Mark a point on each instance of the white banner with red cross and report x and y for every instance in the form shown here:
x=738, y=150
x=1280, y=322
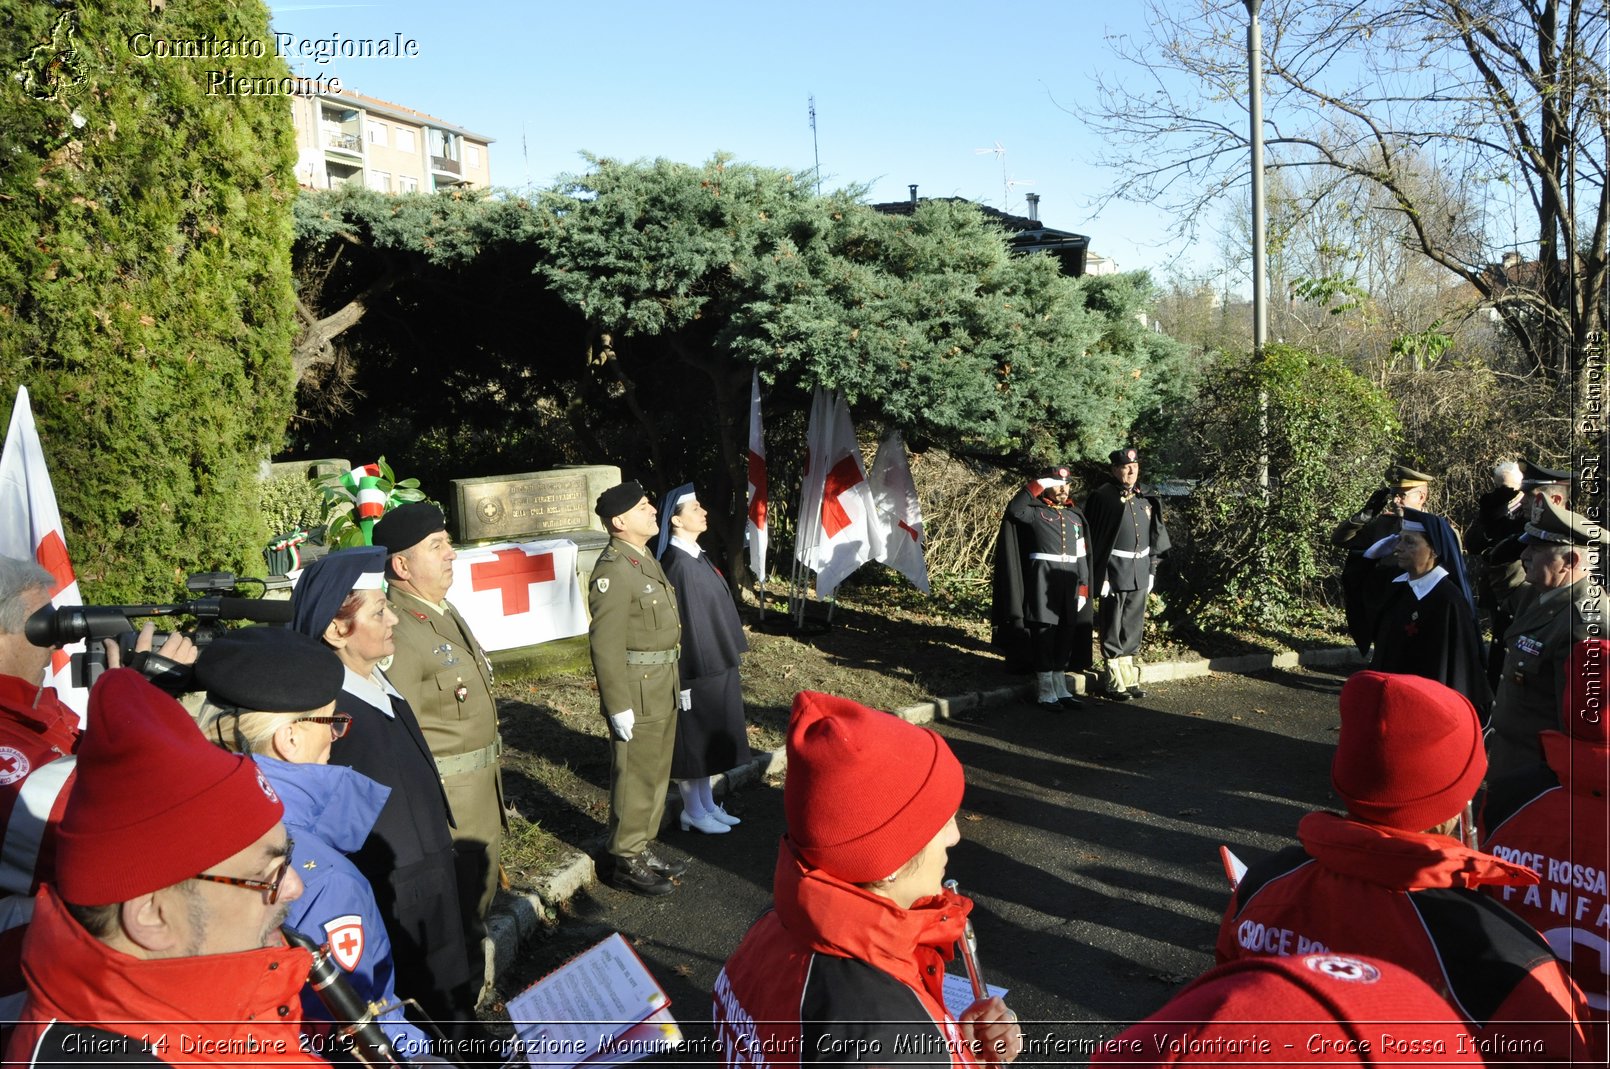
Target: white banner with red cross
x=519, y=593
x=839, y=528
x=31, y=529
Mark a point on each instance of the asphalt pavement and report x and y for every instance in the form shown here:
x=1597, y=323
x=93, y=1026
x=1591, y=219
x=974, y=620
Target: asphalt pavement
x=1089, y=842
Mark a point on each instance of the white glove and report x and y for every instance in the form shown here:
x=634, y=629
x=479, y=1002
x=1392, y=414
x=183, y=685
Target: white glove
x=1151, y=581
x=1106, y=588
x=1080, y=606
x=620, y=725
x=684, y=700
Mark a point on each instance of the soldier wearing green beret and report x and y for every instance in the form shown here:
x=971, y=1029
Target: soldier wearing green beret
x=634, y=637
x=1560, y=604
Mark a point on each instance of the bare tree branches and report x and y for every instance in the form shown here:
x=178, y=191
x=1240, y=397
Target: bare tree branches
x=1504, y=102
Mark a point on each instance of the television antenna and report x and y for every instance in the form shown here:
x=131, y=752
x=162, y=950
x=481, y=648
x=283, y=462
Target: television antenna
x=1007, y=182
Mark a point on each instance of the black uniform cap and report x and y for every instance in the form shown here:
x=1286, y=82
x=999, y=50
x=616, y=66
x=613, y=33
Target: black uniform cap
x=270, y=669
x=405, y=526
x=1537, y=475
x=1127, y=455
x=619, y=499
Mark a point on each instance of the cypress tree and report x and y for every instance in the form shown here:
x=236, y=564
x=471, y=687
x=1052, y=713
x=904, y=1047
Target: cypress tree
x=145, y=286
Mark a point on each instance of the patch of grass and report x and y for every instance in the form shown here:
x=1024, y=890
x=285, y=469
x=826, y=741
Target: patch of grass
x=529, y=850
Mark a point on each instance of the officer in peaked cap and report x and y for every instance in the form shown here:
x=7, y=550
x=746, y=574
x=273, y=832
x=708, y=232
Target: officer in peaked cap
x=1366, y=583
x=634, y=637
x=1560, y=604
x=1127, y=540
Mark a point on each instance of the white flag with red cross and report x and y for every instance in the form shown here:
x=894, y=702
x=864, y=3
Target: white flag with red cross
x=519, y=593
x=31, y=529
x=900, y=511
x=839, y=529
x=755, y=526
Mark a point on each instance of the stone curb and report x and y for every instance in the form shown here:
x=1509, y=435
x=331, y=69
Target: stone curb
x=515, y=918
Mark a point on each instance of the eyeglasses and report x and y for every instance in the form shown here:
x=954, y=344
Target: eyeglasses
x=271, y=886
x=339, y=723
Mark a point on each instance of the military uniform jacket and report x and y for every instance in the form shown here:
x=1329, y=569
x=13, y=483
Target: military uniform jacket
x=633, y=609
x=444, y=675
x=1127, y=535
x=1547, y=623
x=1055, y=560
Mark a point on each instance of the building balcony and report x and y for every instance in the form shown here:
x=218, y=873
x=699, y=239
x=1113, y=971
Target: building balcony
x=345, y=143
x=445, y=165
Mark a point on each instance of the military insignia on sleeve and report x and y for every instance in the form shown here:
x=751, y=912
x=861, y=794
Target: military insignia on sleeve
x=345, y=935
x=602, y=585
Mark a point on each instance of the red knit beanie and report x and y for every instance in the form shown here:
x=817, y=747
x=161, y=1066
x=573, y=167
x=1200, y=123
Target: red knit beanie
x=1410, y=753
x=1320, y=1009
x=154, y=803
x=865, y=790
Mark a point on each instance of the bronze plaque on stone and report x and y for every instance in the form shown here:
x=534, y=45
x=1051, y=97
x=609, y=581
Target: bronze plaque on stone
x=519, y=506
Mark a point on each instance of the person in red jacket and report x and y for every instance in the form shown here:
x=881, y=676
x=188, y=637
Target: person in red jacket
x=1389, y=881
x=38, y=734
x=1317, y=1009
x=160, y=940
x=1556, y=819
x=848, y=967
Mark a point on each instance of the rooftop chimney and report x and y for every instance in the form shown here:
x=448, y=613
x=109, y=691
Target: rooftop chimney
x=1034, y=206
x=913, y=194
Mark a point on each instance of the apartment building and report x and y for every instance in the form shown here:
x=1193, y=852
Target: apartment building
x=345, y=137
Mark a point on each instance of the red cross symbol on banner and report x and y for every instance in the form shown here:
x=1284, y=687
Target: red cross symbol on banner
x=910, y=530
x=757, y=478
x=845, y=475
x=512, y=573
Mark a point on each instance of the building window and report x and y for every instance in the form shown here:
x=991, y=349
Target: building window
x=405, y=140
x=472, y=155
x=380, y=181
x=407, y=184
x=376, y=131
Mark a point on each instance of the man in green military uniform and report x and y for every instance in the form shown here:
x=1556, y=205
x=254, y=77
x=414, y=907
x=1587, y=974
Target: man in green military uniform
x=634, y=636
x=446, y=678
x=1560, y=604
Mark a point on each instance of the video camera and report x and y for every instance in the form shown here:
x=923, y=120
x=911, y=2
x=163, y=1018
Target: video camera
x=220, y=600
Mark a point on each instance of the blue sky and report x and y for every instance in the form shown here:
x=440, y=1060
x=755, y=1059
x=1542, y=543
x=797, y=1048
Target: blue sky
x=905, y=92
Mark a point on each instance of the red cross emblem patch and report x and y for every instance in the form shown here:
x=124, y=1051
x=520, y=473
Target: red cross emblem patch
x=345, y=936
x=13, y=765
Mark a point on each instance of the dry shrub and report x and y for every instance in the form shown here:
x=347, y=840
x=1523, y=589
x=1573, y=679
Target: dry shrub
x=1459, y=419
x=961, y=513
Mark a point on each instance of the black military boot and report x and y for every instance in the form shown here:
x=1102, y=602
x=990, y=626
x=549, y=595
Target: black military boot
x=663, y=865
x=631, y=874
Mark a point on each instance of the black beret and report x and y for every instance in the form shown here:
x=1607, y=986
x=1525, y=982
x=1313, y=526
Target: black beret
x=270, y=669
x=619, y=499
x=1126, y=455
x=325, y=584
x=405, y=526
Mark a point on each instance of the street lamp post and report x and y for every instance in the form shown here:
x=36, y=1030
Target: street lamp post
x=1260, y=300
